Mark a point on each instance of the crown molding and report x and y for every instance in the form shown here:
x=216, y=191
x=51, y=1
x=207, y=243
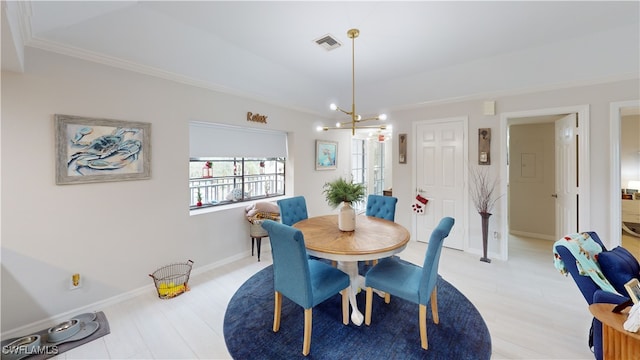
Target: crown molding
x=123, y=64
x=519, y=91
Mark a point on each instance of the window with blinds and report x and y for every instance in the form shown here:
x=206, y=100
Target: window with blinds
x=232, y=164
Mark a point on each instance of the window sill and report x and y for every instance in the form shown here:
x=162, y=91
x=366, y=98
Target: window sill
x=244, y=204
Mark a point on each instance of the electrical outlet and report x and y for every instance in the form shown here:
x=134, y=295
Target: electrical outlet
x=75, y=282
x=495, y=234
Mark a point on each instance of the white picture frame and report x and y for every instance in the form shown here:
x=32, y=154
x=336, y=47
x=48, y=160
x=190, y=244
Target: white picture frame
x=633, y=288
x=326, y=155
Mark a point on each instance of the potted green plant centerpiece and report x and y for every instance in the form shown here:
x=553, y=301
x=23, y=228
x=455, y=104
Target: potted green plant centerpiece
x=341, y=191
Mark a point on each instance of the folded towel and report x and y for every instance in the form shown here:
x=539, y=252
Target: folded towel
x=633, y=321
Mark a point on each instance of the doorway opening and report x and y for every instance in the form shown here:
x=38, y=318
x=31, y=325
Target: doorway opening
x=625, y=168
x=370, y=163
x=546, y=170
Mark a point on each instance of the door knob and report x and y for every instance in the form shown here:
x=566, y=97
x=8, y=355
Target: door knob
x=554, y=196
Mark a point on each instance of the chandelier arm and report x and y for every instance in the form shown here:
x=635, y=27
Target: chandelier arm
x=355, y=122
x=369, y=119
x=342, y=110
x=379, y=127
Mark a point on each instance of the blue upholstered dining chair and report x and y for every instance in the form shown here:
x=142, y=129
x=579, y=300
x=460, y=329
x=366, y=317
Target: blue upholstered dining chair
x=293, y=210
x=410, y=282
x=304, y=281
x=383, y=207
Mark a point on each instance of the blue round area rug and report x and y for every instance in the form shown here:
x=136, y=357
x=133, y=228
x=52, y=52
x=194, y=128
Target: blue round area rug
x=393, y=333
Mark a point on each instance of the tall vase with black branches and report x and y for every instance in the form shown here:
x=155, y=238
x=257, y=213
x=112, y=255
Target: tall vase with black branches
x=484, y=193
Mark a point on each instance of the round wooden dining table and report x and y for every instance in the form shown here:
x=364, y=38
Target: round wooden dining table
x=373, y=239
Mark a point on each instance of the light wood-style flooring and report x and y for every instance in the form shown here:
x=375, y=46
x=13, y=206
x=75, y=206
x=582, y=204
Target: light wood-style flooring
x=531, y=310
x=631, y=243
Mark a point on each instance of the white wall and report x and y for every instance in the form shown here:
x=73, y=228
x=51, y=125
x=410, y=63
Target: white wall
x=115, y=234
x=532, y=180
x=597, y=97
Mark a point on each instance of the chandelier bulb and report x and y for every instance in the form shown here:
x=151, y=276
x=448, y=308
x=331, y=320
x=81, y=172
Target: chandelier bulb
x=382, y=117
x=338, y=124
x=333, y=107
x=319, y=128
x=358, y=117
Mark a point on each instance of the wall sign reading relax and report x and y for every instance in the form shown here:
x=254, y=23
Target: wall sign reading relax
x=256, y=117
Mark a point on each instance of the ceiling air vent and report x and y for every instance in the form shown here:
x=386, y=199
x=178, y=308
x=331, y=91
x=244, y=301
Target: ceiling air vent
x=328, y=42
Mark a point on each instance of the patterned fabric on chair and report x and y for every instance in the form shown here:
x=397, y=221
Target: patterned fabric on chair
x=293, y=210
x=411, y=282
x=615, y=264
x=305, y=282
x=383, y=207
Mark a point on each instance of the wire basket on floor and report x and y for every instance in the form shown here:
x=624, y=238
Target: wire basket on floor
x=172, y=280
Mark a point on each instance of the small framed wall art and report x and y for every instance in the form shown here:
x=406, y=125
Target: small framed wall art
x=402, y=148
x=97, y=150
x=484, y=146
x=326, y=155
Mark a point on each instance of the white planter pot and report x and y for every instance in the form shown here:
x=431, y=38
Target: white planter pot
x=347, y=217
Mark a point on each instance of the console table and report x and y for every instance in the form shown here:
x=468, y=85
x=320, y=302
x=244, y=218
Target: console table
x=617, y=343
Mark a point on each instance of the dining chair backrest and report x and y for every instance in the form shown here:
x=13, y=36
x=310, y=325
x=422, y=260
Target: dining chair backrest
x=291, y=275
x=383, y=207
x=432, y=258
x=293, y=210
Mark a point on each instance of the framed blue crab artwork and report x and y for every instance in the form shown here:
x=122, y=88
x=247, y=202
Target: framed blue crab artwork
x=97, y=150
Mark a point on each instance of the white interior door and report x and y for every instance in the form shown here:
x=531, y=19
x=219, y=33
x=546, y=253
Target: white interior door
x=440, y=178
x=566, y=175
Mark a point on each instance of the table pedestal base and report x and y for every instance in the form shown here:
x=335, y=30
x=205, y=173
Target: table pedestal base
x=357, y=284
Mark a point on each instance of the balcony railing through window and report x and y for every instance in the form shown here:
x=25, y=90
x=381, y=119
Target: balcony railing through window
x=222, y=181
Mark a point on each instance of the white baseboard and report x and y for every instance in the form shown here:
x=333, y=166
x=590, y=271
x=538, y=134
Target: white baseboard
x=533, y=235
x=56, y=319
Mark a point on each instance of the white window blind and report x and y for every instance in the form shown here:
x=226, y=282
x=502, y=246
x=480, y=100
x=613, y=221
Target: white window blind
x=219, y=140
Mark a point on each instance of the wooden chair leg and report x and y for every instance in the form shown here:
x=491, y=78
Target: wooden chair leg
x=276, y=311
x=387, y=298
x=368, y=306
x=345, y=306
x=375, y=262
x=334, y=263
x=306, y=344
x=434, y=305
x=423, y=326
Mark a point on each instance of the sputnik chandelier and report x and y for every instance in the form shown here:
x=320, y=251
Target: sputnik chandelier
x=356, y=119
